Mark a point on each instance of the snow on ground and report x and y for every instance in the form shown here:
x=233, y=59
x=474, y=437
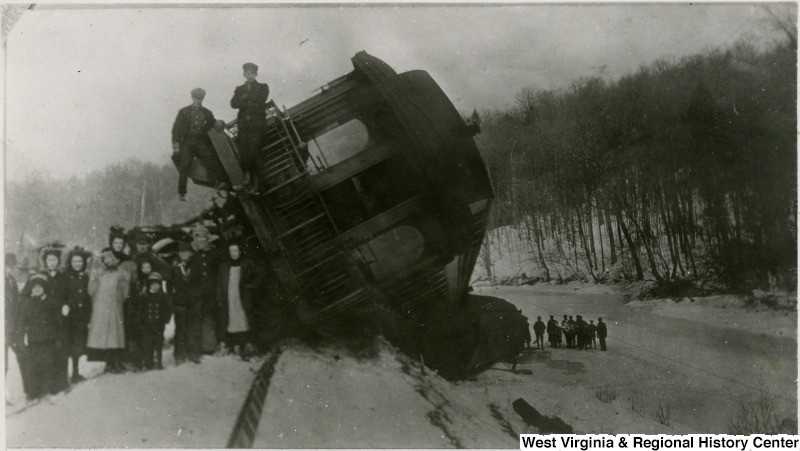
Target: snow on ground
x=704, y=369
x=724, y=311
x=329, y=398
x=188, y=406
x=577, y=405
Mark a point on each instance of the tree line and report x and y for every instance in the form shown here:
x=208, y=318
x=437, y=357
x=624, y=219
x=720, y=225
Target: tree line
x=80, y=210
x=682, y=173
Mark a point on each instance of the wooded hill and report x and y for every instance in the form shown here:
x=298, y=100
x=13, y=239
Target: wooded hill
x=683, y=173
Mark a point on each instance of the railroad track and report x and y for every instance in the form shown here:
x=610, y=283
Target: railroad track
x=244, y=431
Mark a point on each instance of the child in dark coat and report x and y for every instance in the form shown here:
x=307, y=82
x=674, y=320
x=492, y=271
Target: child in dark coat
x=154, y=313
x=40, y=323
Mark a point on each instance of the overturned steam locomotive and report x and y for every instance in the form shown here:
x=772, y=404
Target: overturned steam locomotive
x=371, y=208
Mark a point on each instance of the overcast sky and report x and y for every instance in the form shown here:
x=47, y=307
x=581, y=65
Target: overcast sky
x=86, y=88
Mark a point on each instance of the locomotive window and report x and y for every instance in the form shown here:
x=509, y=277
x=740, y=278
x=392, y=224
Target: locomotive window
x=368, y=194
x=394, y=251
x=339, y=144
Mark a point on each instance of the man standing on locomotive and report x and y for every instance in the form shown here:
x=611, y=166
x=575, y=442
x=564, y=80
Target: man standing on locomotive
x=190, y=138
x=250, y=99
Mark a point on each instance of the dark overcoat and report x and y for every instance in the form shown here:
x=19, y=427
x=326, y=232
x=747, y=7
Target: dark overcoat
x=76, y=293
x=204, y=266
x=250, y=99
x=602, y=330
x=180, y=129
x=181, y=288
x=39, y=320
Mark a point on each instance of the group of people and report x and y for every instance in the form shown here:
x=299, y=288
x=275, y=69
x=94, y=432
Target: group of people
x=577, y=333
x=190, y=131
x=113, y=306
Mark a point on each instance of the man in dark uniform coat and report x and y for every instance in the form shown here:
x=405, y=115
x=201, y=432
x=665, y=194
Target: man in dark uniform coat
x=250, y=99
x=538, y=329
x=190, y=139
x=602, y=333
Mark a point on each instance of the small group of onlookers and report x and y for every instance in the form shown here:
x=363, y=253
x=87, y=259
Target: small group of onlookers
x=577, y=333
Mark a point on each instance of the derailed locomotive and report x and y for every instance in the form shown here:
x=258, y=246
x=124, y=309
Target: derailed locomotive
x=370, y=211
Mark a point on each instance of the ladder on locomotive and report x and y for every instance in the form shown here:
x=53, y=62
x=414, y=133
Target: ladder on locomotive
x=301, y=219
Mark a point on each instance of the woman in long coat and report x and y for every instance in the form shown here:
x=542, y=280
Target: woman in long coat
x=76, y=289
x=238, y=280
x=109, y=287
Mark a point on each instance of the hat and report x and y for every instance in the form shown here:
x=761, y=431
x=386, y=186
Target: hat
x=154, y=276
x=144, y=239
x=200, y=229
x=51, y=251
x=198, y=93
x=115, y=232
x=38, y=279
x=250, y=66
x=184, y=246
x=11, y=260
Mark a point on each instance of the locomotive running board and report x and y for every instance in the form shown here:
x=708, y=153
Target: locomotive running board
x=227, y=156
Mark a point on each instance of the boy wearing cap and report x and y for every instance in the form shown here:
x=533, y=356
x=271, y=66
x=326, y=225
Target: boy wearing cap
x=250, y=99
x=39, y=337
x=154, y=313
x=190, y=138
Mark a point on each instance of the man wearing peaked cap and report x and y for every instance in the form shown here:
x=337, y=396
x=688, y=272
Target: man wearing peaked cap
x=190, y=139
x=250, y=99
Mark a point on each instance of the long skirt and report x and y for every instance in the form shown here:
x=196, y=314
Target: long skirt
x=40, y=369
